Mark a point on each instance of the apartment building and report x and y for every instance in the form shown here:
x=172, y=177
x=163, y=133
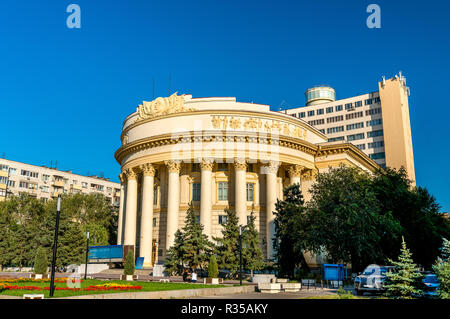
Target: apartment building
x=377, y=123
x=47, y=183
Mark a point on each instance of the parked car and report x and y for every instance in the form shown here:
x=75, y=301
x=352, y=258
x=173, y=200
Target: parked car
x=372, y=279
x=431, y=285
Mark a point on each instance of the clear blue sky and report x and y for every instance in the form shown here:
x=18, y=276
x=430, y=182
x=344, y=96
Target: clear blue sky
x=65, y=92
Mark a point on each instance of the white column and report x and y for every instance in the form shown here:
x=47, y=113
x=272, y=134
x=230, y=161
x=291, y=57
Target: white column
x=240, y=194
x=121, y=209
x=173, y=203
x=131, y=209
x=205, y=197
x=147, y=214
x=271, y=198
x=295, y=172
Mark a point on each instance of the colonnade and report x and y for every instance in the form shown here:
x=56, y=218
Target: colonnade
x=129, y=202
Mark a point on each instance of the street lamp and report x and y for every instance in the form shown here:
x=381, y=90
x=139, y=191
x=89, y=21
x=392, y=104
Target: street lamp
x=55, y=246
x=87, y=254
x=240, y=255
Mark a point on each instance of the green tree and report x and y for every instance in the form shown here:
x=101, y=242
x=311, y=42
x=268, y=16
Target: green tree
x=344, y=218
x=41, y=261
x=289, y=221
x=129, y=264
x=442, y=271
x=197, y=247
x=227, y=247
x=445, y=251
x=405, y=281
x=175, y=255
x=252, y=255
x=213, y=270
x=417, y=213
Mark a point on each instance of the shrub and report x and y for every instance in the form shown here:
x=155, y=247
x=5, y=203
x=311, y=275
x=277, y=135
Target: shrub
x=129, y=264
x=40, y=261
x=213, y=270
x=344, y=294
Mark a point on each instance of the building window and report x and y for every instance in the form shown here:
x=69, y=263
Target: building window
x=196, y=167
x=374, y=122
x=45, y=189
x=355, y=126
x=348, y=106
x=316, y=122
x=375, y=144
x=301, y=114
x=223, y=191
x=361, y=146
x=294, y=114
x=197, y=219
x=250, y=192
x=330, y=109
x=196, y=191
x=154, y=222
x=155, y=195
x=373, y=111
x=45, y=177
x=335, y=119
x=353, y=115
x=368, y=102
x=322, y=131
x=23, y=184
x=11, y=183
x=354, y=137
x=377, y=156
x=319, y=111
x=375, y=133
x=332, y=130
x=376, y=100
x=333, y=139
x=4, y=168
x=338, y=108
x=311, y=113
x=3, y=180
x=222, y=167
x=250, y=168
x=12, y=171
x=358, y=103
x=223, y=219
x=84, y=184
x=29, y=173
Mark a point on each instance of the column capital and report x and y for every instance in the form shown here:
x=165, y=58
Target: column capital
x=173, y=166
x=130, y=173
x=148, y=169
x=206, y=165
x=122, y=177
x=295, y=170
x=309, y=174
x=270, y=168
x=240, y=165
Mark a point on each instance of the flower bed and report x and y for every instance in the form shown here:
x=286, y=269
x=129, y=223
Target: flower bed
x=103, y=287
x=57, y=280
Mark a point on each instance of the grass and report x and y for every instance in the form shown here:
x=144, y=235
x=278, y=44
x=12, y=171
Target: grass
x=146, y=286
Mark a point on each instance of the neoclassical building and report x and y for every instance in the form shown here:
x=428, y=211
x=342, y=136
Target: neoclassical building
x=217, y=153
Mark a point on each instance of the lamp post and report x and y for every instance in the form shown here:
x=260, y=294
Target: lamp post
x=240, y=255
x=55, y=246
x=87, y=254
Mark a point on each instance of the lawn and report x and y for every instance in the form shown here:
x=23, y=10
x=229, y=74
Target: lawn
x=146, y=286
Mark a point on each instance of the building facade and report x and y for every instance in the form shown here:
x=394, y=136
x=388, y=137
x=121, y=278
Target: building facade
x=377, y=123
x=47, y=183
x=216, y=153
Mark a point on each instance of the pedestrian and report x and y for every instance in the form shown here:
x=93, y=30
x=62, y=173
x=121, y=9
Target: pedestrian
x=194, y=276
x=185, y=275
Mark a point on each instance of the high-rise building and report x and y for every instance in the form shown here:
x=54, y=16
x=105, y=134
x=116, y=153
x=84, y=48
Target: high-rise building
x=377, y=123
x=46, y=183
